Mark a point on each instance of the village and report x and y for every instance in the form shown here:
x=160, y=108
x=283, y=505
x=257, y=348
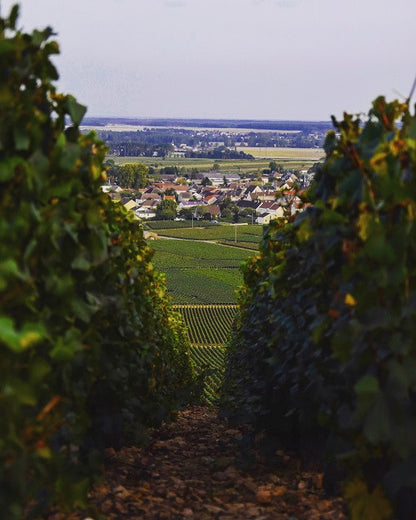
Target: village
x=215, y=196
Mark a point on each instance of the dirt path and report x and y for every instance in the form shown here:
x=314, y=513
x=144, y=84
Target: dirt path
x=192, y=469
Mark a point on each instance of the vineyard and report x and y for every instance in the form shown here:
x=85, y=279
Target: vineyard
x=199, y=272
x=208, y=329
x=210, y=364
x=155, y=225
x=202, y=279
x=208, y=324
x=247, y=236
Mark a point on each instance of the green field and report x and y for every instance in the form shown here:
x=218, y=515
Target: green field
x=296, y=154
x=156, y=225
x=287, y=157
x=244, y=167
x=185, y=162
x=246, y=236
x=199, y=272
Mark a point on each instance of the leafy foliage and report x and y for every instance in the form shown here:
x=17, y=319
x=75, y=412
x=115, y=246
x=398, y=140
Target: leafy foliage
x=132, y=175
x=166, y=209
x=91, y=351
x=323, y=352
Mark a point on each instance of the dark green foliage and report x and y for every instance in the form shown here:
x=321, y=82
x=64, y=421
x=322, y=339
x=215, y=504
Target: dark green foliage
x=166, y=209
x=91, y=351
x=132, y=175
x=323, y=352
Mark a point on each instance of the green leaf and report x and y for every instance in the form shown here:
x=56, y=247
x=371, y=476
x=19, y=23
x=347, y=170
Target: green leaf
x=81, y=263
x=39, y=369
x=377, y=426
x=379, y=249
x=8, y=269
x=367, y=385
x=6, y=46
x=21, y=139
x=63, y=351
x=14, y=14
x=366, y=505
x=22, y=391
x=75, y=110
x=7, y=168
x=411, y=132
x=69, y=156
x=9, y=335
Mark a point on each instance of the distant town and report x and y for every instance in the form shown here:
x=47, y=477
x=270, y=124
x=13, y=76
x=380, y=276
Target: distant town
x=153, y=167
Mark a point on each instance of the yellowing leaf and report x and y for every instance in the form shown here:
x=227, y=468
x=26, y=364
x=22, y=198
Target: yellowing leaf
x=350, y=300
x=42, y=450
x=29, y=339
x=366, y=224
x=378, y=162
x=366, y=505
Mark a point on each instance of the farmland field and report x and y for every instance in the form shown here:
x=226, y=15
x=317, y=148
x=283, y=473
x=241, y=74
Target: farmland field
x=287, y=159
x=201, y=164
x=247, y=236
x=308, y=154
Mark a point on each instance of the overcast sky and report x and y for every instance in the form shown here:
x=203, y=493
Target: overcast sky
x=255, y=59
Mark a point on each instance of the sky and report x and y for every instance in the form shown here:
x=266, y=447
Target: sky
x=230, y=59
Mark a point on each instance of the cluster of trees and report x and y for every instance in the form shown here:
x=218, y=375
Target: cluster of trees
x=129, y=175
x=132, y=149
x=220, y=152
x=162, y=140
x=166, y=209
x=91, y=350
x=323, y=354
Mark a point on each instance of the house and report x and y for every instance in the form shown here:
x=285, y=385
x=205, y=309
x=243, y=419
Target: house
x=268, y=211
x=186, y=204
x=252, y=192
x=210, y=199
x=265, y=218
x=218, y=178
x=213, y=210
x=267, y=207
x=150, y=235
x=145, y=213
x=131, y=205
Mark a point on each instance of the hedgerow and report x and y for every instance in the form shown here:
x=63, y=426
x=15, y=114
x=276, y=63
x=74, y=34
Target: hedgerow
x=323, y=354
x=91, y=351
